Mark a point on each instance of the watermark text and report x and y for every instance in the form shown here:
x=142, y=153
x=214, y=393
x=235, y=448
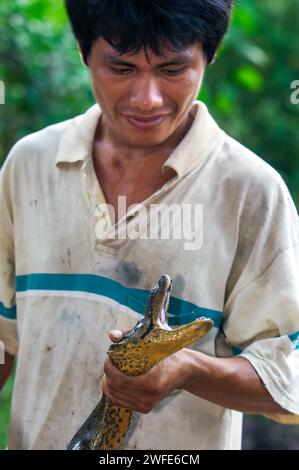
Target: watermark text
x=154, y=222
x=295, y=94
x=2, y=353
x=2, y=92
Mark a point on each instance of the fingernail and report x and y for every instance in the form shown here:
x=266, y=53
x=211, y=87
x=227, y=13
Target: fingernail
x=117, y=334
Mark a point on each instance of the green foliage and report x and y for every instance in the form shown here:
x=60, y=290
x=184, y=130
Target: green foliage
x=39, y=64
x=5, y=400
x=247, y=89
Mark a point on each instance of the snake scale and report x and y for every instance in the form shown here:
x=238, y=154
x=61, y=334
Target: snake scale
x=150, y=341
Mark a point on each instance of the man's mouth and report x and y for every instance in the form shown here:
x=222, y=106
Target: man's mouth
x=146, y=123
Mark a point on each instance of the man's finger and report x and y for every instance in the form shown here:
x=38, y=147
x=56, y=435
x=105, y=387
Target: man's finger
x=123, y=401
x=116, y=335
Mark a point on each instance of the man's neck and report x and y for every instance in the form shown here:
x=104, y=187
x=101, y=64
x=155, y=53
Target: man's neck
x=129, y=153
x=135, y=173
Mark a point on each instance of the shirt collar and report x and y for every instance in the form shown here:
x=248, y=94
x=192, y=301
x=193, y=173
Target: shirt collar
x=76, y=142
x=203, y=137
x=197, y=145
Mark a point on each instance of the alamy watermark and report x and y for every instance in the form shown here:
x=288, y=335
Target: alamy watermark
x=2, y=353
x=157, y=222
x=295, y=94
x=2, y=92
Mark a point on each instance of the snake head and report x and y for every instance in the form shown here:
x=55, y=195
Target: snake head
x=158, y=302
x=151, y=339
x=155, y=314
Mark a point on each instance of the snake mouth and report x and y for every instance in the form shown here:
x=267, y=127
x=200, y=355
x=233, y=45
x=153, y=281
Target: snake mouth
x=162, y=320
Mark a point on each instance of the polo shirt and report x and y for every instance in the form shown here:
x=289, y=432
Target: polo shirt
x=65, y=281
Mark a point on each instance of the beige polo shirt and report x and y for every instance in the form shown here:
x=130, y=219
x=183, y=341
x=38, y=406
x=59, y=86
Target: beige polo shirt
x=65, y=281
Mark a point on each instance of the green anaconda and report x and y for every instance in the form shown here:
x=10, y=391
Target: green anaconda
x=149, y=342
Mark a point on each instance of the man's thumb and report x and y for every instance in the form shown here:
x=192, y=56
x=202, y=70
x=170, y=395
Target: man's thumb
x=116, y=335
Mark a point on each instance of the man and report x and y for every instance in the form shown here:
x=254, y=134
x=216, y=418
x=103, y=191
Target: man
x=70, y=195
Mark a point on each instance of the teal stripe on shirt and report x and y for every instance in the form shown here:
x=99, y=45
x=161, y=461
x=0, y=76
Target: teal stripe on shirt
x=236, y=351
x=180, y=311
x=9, y=313
x=295, y=339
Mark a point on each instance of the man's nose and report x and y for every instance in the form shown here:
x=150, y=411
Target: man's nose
x=146, y=95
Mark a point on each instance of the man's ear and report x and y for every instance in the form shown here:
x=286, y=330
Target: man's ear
x=81, y=54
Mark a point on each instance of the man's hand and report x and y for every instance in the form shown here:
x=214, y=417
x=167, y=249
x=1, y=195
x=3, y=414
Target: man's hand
x=142, y=393
x=230, y=382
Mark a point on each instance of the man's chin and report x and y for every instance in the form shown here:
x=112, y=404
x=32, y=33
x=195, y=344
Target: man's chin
x=146, y=141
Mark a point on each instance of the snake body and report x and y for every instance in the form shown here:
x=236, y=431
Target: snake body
x=149, y=342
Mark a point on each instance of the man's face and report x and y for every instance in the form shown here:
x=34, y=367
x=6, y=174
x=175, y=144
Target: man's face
x=145, y=99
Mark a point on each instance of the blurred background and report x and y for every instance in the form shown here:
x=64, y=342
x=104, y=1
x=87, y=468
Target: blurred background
x=248, y=91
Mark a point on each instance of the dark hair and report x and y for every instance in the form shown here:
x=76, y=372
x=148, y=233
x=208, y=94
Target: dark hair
x=130, y=25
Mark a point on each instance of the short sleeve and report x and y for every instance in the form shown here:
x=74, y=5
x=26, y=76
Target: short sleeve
x=8, y=323
x=261, y=314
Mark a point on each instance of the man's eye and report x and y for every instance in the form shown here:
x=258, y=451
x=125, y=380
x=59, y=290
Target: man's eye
x=173, y=72
x=120, y=71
